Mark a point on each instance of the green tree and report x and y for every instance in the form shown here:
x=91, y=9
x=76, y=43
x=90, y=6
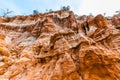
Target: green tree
x=104, y=14
x=68, y=7
x=35, y=12
x=117, y=11
x=50, y=10
x=65, y=7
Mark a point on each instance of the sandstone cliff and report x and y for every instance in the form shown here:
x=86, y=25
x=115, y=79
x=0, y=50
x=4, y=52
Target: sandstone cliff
x=59, y=46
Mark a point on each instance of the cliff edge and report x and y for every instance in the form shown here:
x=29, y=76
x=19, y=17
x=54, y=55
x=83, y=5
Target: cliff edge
x=59, y=46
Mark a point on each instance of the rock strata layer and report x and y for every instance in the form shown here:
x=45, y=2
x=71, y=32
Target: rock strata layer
x=59, y=46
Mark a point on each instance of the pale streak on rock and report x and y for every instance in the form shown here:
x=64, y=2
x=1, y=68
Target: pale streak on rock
x=58, y=46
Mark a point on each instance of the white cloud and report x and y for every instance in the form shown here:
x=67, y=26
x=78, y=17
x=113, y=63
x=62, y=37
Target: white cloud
x=101, y=6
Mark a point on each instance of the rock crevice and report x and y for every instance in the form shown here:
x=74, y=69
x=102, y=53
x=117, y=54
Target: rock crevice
x=59, y=46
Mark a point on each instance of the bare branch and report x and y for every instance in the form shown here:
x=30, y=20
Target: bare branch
x=6, y=12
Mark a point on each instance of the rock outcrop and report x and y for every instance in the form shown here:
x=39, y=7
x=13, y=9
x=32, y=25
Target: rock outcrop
x=58, y=46
x=116, y=20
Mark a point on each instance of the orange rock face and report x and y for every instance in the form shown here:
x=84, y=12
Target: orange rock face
x=116, y=20
x=57, y=46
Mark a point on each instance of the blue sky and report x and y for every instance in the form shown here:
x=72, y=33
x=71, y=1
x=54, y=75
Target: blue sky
x=80, y=7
